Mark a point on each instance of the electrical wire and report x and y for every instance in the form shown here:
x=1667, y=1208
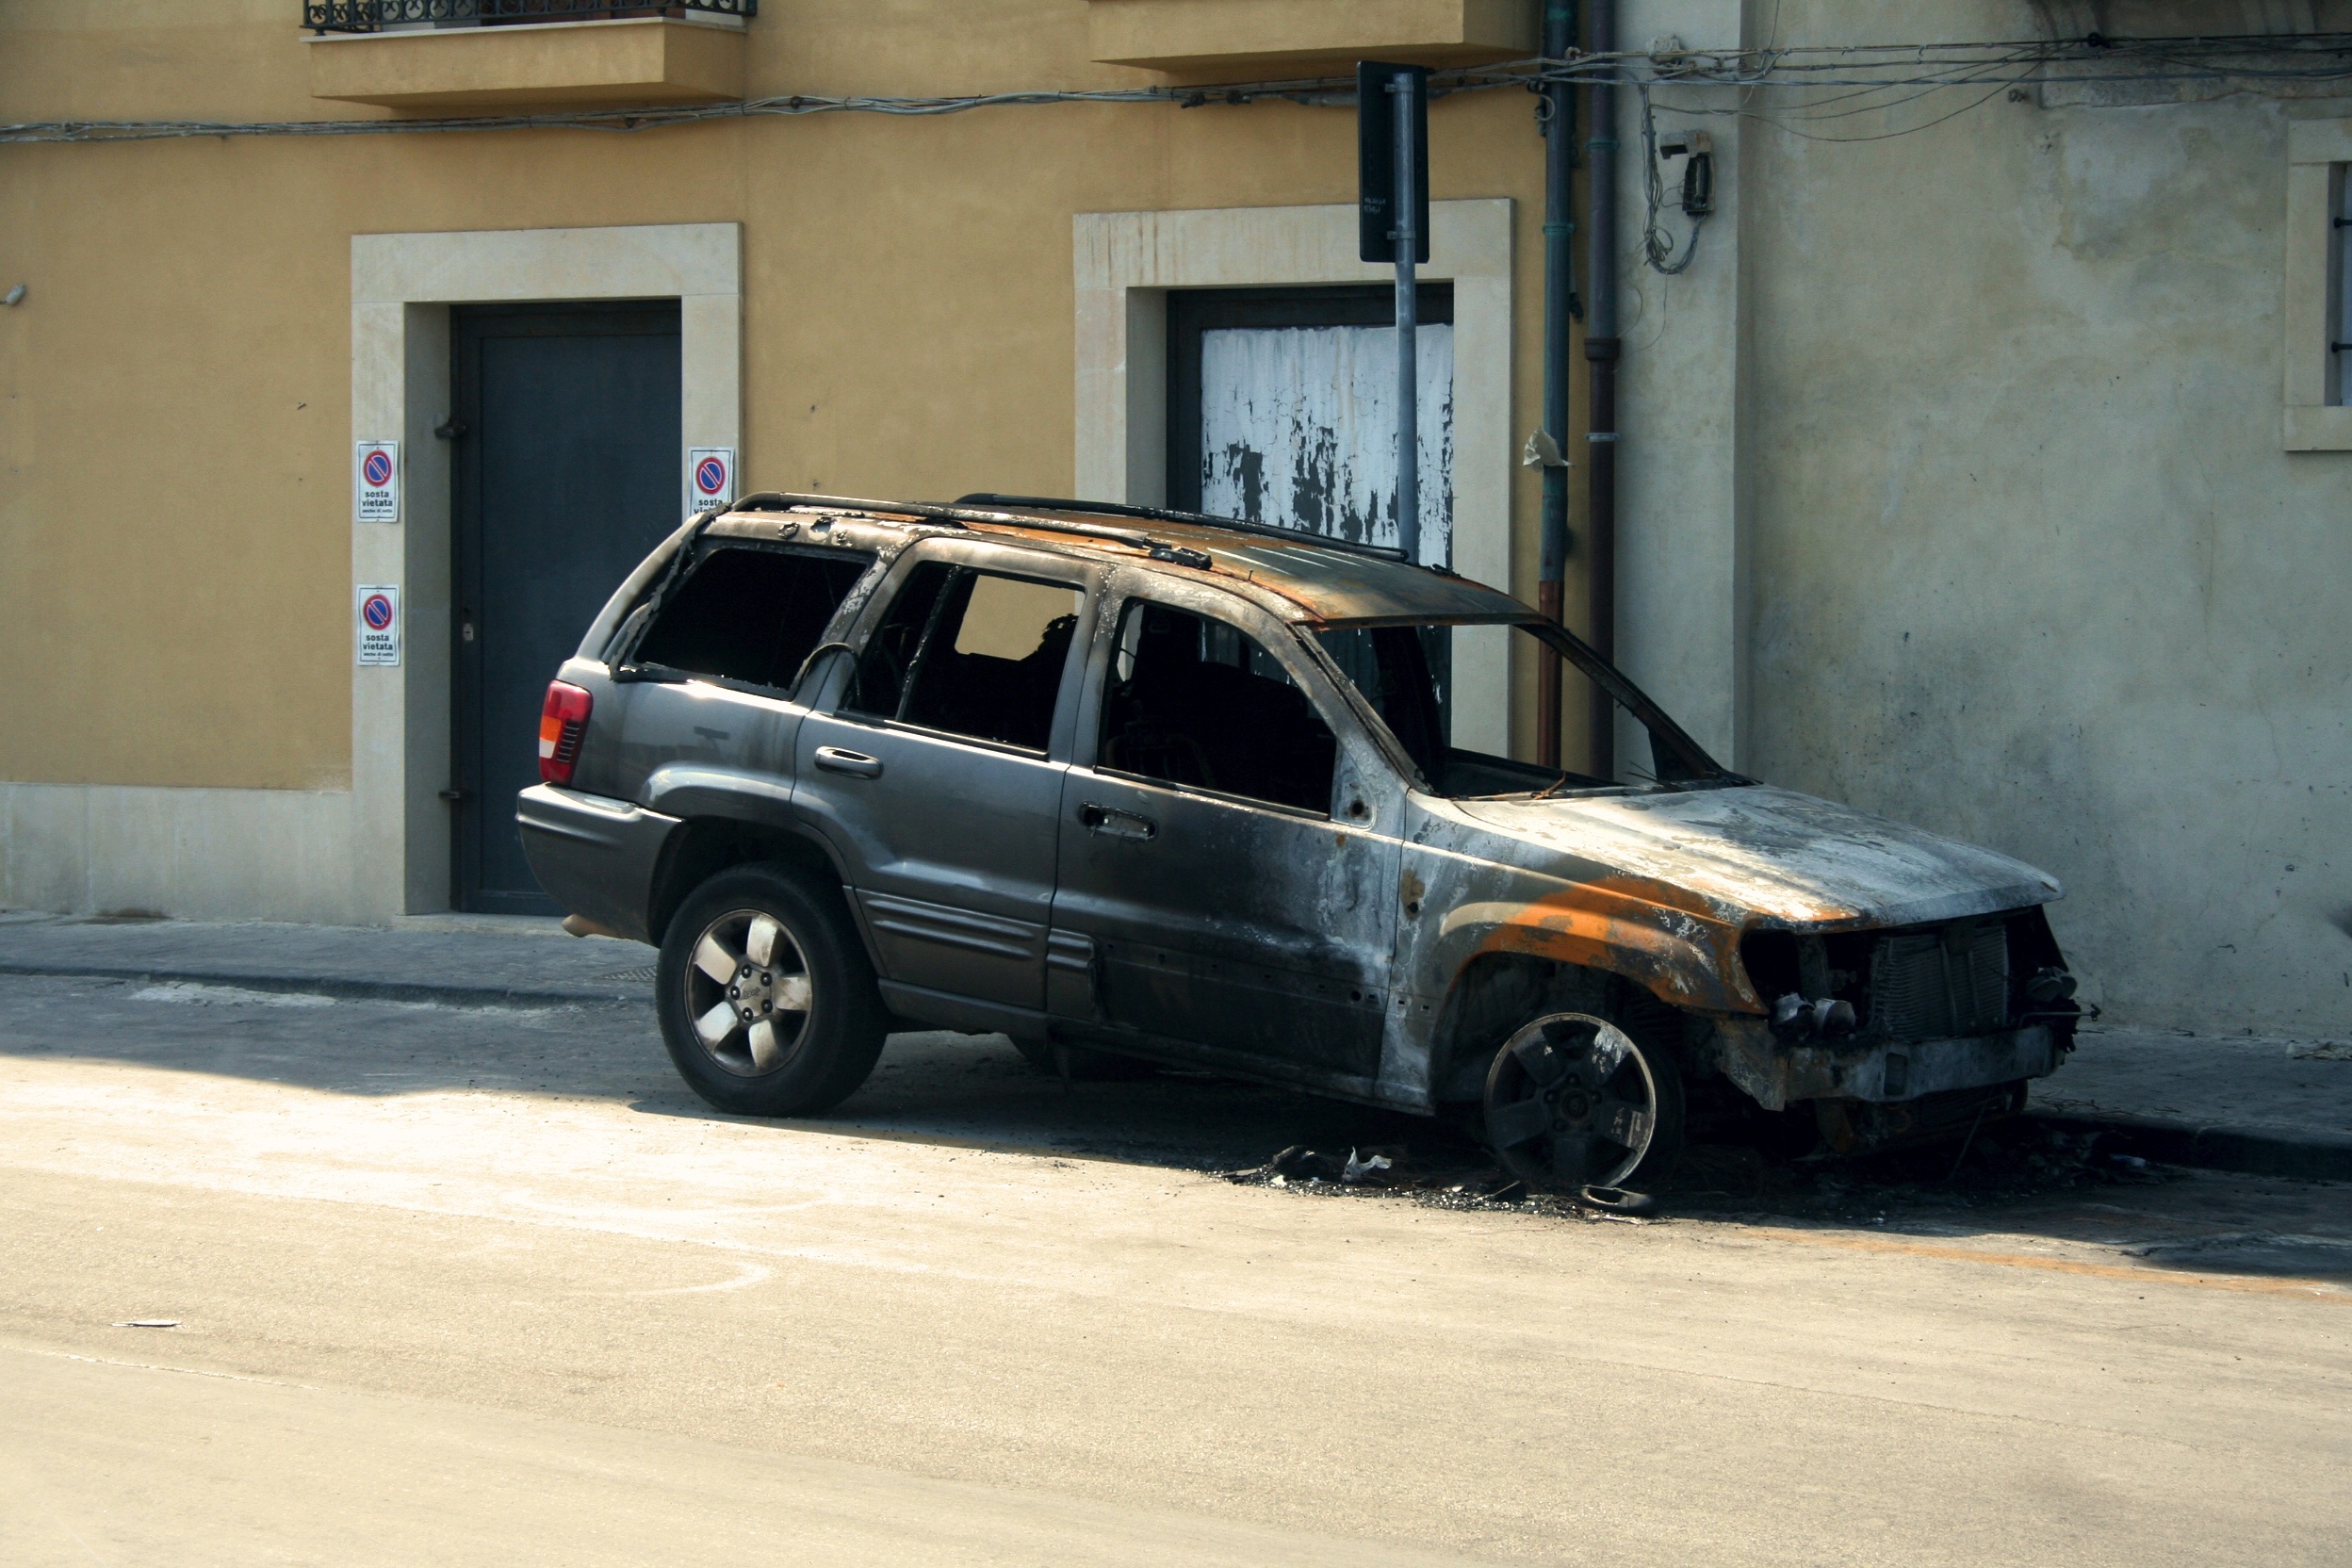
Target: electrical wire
x=2236, y=63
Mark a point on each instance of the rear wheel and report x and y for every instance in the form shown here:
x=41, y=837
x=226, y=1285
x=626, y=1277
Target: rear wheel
x=1572, y=1100
x=766, y=999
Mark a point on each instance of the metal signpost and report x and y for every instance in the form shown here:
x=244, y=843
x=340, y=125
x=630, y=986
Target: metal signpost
x=1393, y=225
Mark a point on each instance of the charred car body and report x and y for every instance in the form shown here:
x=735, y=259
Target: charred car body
x=1141, y=786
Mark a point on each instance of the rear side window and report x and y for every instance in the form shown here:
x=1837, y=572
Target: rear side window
x=750, y=615
x=970, y=653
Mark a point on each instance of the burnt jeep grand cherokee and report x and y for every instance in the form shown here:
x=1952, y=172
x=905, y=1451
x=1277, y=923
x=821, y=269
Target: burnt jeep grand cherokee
x=1141, y=785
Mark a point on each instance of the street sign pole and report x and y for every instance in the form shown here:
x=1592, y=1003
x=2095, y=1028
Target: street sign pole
x=1405, y=92
x=1392, y=226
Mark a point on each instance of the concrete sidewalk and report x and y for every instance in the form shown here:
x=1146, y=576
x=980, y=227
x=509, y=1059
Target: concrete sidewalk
x=2230, y=1101
x=468, y=959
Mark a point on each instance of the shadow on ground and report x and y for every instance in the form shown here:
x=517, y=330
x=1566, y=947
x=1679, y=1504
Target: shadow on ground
x=2012, y=1178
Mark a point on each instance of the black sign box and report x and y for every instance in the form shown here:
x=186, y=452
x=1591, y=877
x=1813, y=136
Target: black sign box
x=1376, y=159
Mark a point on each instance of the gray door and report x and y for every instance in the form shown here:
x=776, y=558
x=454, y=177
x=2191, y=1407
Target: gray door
x=1205, y=884
x=935, y=775
x=567, y=473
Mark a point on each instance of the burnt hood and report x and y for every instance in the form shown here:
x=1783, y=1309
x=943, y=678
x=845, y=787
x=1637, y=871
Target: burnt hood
x=1771, y=857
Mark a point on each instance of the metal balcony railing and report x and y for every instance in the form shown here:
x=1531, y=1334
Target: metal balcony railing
x=371, y=16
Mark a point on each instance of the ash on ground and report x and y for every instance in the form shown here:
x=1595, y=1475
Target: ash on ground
x=2002, y=1163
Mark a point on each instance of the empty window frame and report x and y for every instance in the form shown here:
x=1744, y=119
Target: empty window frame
x=970, y=653
x=1198, y=703
x=749, y=616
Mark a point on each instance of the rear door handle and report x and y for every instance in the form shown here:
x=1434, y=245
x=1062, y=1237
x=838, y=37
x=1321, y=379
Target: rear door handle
x=856, y=763
x=1115, y=824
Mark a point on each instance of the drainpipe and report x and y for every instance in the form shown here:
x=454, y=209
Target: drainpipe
x=1600, y=349
x=1560, y=282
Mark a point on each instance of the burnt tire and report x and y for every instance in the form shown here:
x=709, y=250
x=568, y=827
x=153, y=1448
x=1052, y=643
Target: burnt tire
x=1572, y=1100
x=767, y=998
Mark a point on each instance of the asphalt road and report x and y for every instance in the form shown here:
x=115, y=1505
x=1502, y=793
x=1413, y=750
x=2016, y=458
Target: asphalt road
x=485, y=1285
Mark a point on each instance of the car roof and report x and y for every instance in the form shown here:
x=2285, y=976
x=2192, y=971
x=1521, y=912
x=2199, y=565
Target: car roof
x=1308, y=578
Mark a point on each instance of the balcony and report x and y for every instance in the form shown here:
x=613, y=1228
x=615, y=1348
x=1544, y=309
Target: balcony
x=440, y=56
x=1269, y=39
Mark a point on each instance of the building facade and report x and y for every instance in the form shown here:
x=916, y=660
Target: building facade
x=1983, y=470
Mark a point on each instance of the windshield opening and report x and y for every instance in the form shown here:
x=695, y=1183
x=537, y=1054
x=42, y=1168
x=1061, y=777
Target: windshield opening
x=1416, y=678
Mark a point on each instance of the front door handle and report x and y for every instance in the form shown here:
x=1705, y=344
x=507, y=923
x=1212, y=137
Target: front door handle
x=855, y=763
x=1115, y=824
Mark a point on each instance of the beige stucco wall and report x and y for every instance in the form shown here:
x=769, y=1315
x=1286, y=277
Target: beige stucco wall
x=1954, y=481
x=2006, y=514
x=175, y=539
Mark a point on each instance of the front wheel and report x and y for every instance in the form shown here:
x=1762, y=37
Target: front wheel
x=766, y=999
x=1572, y=1100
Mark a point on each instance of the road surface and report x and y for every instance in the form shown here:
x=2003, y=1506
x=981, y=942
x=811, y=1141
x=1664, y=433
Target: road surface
x=485, y=1284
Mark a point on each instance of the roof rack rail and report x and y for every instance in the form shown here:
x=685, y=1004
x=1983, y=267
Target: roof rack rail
x=784, y=500
x=961, y=515
x=1164, y=514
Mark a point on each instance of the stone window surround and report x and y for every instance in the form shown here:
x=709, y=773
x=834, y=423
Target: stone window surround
x=402, y=287
x=1124, y=264
x=2316, y=150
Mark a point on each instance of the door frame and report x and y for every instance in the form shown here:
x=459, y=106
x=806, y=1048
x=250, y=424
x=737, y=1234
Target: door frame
x=402, y=287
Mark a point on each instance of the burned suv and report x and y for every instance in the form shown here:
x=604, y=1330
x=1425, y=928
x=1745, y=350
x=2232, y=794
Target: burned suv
x=1142, y=786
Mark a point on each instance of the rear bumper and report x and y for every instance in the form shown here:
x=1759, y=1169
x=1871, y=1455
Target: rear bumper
x=593, y=855
x=1776, y=1075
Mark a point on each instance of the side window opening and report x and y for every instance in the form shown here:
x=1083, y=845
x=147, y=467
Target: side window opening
x=970, y=653
x=1196, y=701
x=1398, y=669
x=749, y=616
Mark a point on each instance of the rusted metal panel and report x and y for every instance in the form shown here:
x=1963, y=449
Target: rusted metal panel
x=1774, y=858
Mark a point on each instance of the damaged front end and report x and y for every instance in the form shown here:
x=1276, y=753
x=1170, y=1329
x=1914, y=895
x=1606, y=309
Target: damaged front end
x=1898, y=1034
x=1779, y=950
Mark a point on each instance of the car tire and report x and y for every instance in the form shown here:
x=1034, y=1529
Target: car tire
x=1572, y=1100
x=767, y=998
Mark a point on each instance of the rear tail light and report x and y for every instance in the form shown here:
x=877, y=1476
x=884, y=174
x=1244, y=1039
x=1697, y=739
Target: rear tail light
x=562, y=724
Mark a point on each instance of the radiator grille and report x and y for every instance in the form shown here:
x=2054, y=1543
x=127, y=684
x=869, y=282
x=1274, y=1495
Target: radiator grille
x=1929, y=984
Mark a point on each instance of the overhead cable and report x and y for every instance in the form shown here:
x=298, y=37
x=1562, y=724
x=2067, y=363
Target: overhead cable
x=2242, y=63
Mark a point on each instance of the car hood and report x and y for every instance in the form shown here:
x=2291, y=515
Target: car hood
x=1770, y=857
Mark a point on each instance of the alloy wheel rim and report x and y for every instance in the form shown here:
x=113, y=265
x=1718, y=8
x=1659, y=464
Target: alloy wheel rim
x=1571, y=1102
x=748, y=992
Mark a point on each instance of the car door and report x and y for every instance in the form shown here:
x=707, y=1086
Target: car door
x=1212, y=903
x=934, y=767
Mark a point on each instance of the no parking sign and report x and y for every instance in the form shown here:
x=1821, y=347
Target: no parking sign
x=376, y=483
x=376, y=623
x=709, y=478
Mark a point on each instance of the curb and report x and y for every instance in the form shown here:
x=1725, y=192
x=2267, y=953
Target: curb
x=2211, y=1148
x=343, y=990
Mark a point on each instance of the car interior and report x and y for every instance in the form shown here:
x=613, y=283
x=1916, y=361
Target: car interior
x=1195, y=701
x=970, y=653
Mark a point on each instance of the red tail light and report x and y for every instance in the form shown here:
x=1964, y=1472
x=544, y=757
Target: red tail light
x=562, y=723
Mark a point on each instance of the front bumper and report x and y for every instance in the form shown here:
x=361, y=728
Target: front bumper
x=595, y=857
x=1776, y=1075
